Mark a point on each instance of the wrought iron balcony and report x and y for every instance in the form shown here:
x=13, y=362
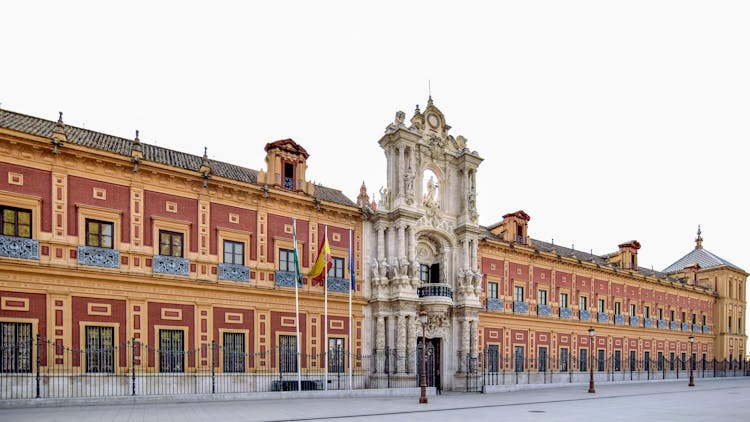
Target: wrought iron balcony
x=520, y=307
x=661, y=323
x=98, y=257
x=233, y=272
x=706, y=329
x=435, y=289
x=634, y=321
x=696, y=328
x=494, y=304
x=544, y=310
x=602, y=317
x=673, y=325
x=685, y=326
x=174, y=265
x=566, y=313
x=619, y=319
x=338, y=284
x=648, y=322
x=285, y=278
x=584, y=315
x=19, y=247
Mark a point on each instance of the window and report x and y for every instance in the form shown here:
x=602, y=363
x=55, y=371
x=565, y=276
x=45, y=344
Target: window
x=730, y=325
x=234, y=252
x=671, y=315
x=618, y=360
x=288, y=353
x=671, y=361
x=16, y=222
x=563, y=359
x=519, y=232
x=288, y=176
x=618, y=308
x=286, y=260
x=647, y=312
x=739, y=325
x=15, y=354
x=519, y=358
x=100, y=351
x=99, y=233
x=582, y=358
x=647, y=361
x=542, y=297
x=632, y=309
x=659, y=361
x=234, y=352
x=695, y=318
x=170, y=243
x=682, y=361
x=542, y=359
x=583, y=303
x=493, y=354
x=632, y=360
x=704, y=320
x=563, y=300
x=336, y=356
x=424, y=273
x=661, y=313
x=491, y=290
x=518, y=293
x=600, y=306
x=171, y=351
x=337, y=267
x=692, y=362
x=600, y=360
x=684, y=316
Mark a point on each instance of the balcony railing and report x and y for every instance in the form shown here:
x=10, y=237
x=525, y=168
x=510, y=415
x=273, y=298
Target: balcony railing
x=284, y=278
x=685, y=326
x=174, y=265
x=566, y=313
x=619, y=319
x=706, y=329
x=435, y=289
x=338, y=284
x=648, y=322
x=661, y=323
x=98, y=257
x=520, y=307
x=494, y=304
x=19, y=247
x=602, y=317
x=673, y=325
x=634, y=321
x=233, y=272
x=584, y=315
x=544, y=310
x=696, y=328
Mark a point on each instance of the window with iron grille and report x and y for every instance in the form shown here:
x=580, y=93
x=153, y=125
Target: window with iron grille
x=100, y=351
x=337, y=267
x=493, y=355
x=286, y=260
x=659, y=361
x=563, y=359
x=582, y=360
x=618, y=360
x=542, y=359
x=16, y=350
x=171, y=351
x=671, y=361
x=519, y=358
x=288, y=353
x=600, y=360
x=16, y=222
x=170, y=243
x=234, y=352
x=683, y=358
x=234, y=252
x=99, y=233
x=632, y=360
x=336, y=355
x=647, y=361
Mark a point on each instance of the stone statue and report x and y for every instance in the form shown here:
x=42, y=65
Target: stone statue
x=383, y=196
x=398, y=122
x=429, y=197
x=409, y=182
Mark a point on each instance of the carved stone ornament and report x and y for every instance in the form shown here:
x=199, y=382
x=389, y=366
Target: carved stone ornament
x=437, y=325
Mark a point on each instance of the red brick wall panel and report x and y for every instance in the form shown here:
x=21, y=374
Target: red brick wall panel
x=35, y=183
x=276, y=225
x=80, y=191
x=248, y=222
x=155, y=204
x=37, y=310
x=187, y=320
x=118, y=315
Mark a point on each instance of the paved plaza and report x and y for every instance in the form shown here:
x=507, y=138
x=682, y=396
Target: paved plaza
x=725, y=399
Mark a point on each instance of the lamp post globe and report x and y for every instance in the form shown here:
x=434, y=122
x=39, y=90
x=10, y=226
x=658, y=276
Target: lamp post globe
x=691, y=383
x=423, y=378
x=592, y=332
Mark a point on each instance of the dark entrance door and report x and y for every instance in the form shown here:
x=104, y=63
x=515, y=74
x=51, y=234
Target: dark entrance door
x=432, y=362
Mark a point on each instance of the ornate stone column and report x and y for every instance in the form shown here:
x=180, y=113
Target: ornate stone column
x=400, y=343
x=411, y=343
x=464, y=348
x=475, y=338
x=379, y=343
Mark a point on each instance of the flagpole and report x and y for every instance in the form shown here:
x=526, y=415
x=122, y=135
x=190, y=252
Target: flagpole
x=325, y=318
x=351, y=287
x=296, y=306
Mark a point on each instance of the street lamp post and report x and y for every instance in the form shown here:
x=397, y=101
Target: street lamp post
x=592, y=332
x=691, y=383
x=423, y=381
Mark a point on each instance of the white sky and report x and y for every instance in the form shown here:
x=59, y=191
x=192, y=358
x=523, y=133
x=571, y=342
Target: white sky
x=605, y=121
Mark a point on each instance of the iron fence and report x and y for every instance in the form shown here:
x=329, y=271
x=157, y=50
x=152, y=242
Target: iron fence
x=50, y=370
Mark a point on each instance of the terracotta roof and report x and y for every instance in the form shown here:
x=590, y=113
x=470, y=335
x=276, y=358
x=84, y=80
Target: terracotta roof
x=122, y=146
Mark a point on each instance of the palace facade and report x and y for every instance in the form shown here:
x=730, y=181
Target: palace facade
x=109, y=241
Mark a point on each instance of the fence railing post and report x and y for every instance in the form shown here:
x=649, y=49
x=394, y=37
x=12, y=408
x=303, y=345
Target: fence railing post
x=213, y=365
x=38, y=364
x=132, y=365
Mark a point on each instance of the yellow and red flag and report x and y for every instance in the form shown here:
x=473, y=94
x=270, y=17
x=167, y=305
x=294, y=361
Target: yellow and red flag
x=323, y=263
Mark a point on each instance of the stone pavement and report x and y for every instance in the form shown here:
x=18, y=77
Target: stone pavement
x=723, y=399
